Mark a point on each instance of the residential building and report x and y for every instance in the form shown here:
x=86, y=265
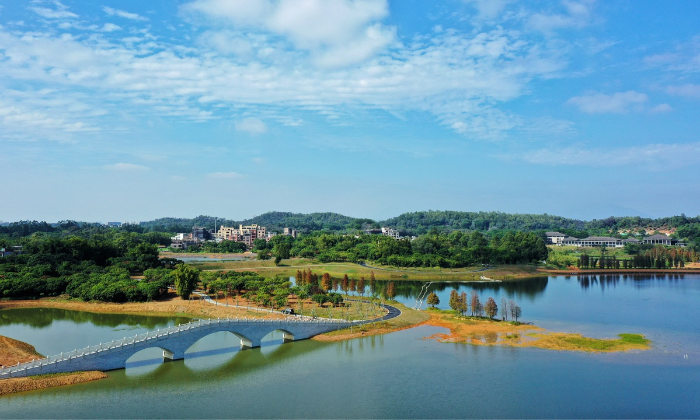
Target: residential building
x=290, y=232
x=386, y=231
x=245, y=234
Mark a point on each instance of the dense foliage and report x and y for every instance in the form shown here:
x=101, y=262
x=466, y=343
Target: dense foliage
x=456, y=249
x=92, y=266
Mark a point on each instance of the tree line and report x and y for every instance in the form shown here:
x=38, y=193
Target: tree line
x=471, y=304
x=457, y=249
x=657, y=258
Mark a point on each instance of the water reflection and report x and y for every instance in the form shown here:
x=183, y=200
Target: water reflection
x=639, y=281
x=44, y=317
x=525, y=288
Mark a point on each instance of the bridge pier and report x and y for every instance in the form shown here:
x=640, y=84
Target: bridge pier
x=247, y=344
x=287, y=337
x=168, y=356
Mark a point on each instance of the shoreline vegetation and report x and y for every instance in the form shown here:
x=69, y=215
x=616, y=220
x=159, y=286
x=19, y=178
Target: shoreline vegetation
x=488, y=332
x=14, y=351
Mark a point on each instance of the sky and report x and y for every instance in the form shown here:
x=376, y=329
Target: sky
x=130, y=110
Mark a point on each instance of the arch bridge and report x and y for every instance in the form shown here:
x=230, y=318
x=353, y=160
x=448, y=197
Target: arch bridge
x=174, y=341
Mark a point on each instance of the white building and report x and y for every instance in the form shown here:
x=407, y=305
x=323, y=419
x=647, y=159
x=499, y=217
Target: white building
x=391, y=232
x=555, y=238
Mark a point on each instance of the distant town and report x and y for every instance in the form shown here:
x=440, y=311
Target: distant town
x=248, y=234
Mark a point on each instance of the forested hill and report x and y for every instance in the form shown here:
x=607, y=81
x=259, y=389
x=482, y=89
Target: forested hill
x=274, y=220
x=416, y=223
x=421, y=222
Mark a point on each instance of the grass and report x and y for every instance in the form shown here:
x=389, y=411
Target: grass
x=561, y=341
x=289, y=268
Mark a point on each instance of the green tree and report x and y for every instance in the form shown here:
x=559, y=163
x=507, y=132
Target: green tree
x=433, y=300
x=186, y=278
x=454, y=300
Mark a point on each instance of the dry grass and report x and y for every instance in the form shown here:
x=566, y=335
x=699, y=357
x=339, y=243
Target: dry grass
x=14, y=351
x=290, y=267
x=31, y=383
x=489, y=333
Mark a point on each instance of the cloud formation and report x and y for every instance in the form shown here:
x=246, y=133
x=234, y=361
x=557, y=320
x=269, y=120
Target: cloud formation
x=577, y=14
x=225, y=175
x=123, y=14
x=335, y=32
x=688, y=90
x=251, y=125
x=653, y=156
x=476, y=71
x=126, y=167
x=617, y=103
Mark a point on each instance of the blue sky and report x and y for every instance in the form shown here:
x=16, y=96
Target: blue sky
x=132, y=110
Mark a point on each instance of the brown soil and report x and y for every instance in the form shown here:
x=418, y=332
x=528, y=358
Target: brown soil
x=14, y=351
x=31, y=383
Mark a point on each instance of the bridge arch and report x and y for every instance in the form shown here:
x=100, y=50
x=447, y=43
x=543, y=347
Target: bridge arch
x=287, y=336
x=148, y=356
x=240, y=339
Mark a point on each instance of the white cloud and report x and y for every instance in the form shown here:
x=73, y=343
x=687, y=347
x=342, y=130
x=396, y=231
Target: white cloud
x=123, y=14
x=126, y=167
x=44, y=115
x=685, y=58
x=60, y=12
x=110, y=27
x=251, y=125
x=335, y=32
x=225, y=175
x=617, y=103
x=577, y=15
x=489, y=9
x=458, y=77
x=661, y=109
x=656, y=156
x=688, y=90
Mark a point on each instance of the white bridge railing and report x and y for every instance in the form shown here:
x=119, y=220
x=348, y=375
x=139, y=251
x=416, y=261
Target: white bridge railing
x=7, y=372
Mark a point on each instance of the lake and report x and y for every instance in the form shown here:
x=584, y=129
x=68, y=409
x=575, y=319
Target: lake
x=399, y=375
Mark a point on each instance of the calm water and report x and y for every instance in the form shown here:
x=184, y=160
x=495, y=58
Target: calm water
x=402, y=374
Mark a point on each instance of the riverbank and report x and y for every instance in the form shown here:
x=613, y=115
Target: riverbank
x=14, y=351
x=171, y=305
x=33, y=383
x=485, y=332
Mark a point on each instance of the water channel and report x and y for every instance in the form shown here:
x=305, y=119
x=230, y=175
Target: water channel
x=400, y=375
